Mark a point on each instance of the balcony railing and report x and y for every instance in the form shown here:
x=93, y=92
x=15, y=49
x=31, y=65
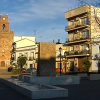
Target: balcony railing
x=77, y=39
x=12, y=58
x=77, y=52
x=79, y=25
x=31, y=58
x=97, y=56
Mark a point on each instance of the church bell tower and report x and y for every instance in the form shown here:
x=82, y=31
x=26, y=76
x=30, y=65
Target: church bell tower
x=6, y=39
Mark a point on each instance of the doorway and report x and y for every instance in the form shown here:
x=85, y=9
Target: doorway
x=2, y=63
x=71, y=65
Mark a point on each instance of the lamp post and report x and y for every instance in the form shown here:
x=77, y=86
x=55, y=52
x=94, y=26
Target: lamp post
x=87, y=52
x=65, y=54
x=60, y=59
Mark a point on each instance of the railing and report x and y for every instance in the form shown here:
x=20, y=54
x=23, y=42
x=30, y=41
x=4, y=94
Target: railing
x=12, y=58
x=97, y=56
x=77, y=52
x=31, y=58
x=76, y=26
x=76, y=39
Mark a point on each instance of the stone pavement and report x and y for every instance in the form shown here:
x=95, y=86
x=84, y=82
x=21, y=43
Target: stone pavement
x=87, y=90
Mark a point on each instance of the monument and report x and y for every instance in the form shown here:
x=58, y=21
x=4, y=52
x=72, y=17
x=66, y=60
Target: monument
x=46, y=59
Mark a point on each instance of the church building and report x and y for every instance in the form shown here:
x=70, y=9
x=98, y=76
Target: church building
x=6, y=39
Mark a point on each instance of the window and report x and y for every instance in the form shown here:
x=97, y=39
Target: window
x=85, y=34
x=26, y=54
x=32, y=54
x=3, y=27
x=99, y=48
x=72, y=48
x=20, y=54
x=72, y=23
x=72, y=37
x=31, y=65
x=84, y=47
x=85, y=21
x=59, y=65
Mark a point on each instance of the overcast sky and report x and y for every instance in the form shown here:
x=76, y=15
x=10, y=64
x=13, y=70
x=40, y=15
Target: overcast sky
x=44, y=19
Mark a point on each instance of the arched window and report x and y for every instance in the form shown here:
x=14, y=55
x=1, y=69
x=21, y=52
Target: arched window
x=3, y=27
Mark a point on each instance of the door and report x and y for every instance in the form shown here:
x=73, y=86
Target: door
x=2, y=63
x=31, y=65
x=72, y=66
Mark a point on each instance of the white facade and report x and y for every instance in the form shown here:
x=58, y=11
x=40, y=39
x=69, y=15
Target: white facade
x=25, y=46
x=96, y=55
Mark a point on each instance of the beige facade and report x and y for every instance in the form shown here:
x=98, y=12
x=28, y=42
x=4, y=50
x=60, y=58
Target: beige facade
x=63, y=60
x=82, y=27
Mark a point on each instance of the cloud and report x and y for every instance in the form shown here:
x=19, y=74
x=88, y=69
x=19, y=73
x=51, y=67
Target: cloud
x=39, y=9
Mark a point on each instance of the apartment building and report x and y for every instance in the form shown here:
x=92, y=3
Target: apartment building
x=26, y=46
x=82, y=28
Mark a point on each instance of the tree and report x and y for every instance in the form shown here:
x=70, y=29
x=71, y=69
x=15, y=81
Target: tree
x=86, y=64
x=21, y=61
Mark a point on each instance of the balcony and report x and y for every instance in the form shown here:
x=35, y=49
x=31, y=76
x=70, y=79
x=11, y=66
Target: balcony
x=13, y=50
x=96, y=56
x=76, y=27
x=31, y=58
x=77, y=53
x=12, y=58
x=77, y=40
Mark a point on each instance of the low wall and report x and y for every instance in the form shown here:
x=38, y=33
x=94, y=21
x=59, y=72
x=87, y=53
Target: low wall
x=94, y=76
x=58, y=80
x=36, y=93
x=82, y=75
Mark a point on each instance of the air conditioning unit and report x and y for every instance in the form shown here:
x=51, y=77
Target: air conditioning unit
x=98, y=55
x=76, y=19
x=76, y=31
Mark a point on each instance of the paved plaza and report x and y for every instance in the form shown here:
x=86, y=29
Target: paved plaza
x=87, y=90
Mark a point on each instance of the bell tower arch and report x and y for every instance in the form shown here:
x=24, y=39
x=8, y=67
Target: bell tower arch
x=4, y=23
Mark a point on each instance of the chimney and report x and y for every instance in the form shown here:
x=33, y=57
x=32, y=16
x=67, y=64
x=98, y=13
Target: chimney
x=53, y=41
x=58, y=40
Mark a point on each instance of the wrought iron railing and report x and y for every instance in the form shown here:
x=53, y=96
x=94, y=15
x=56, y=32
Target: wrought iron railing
x=31, y=58
x=77, y=52
x=76, y=26
x=77, y=39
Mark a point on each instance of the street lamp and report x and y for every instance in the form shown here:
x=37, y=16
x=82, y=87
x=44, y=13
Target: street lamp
x=65, y=54
x=60, y=58
x=87, y=52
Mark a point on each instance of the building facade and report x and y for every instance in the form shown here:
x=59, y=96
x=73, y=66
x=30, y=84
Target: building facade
x=6, y=39
x=63, y=60
x=82, y=28
x=25, y=46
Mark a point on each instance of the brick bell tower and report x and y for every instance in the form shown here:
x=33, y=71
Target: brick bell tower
x=6, y=39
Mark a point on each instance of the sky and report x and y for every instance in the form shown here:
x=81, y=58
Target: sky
x=44, y=19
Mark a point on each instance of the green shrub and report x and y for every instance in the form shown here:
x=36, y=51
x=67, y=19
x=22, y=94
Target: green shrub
x=16, y=71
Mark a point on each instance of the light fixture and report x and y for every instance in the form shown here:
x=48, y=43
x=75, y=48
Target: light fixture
x=60, y=49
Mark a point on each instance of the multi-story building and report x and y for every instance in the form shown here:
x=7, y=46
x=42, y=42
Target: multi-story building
x=26, y=46
x=82, y=28
x=6, y=39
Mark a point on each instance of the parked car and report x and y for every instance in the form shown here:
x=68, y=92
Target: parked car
x=23, y=70
x=30, y=70
x=58, y=70
x=10, y=69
